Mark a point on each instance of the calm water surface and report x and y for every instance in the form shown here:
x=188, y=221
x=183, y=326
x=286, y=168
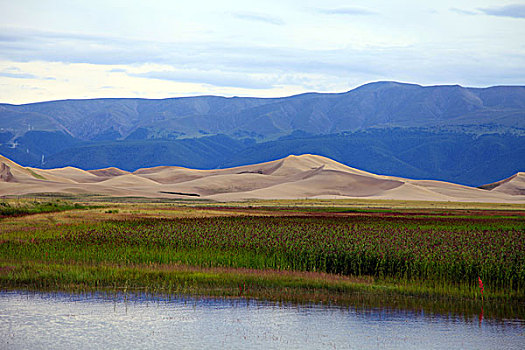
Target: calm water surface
x=65, y=321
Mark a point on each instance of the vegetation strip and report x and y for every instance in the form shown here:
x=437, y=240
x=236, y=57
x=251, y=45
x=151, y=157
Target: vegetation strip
x=305, y=257
x=19, y=207
x=294, y=287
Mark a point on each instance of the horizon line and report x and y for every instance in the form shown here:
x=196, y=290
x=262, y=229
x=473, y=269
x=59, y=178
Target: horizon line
x=256, y=97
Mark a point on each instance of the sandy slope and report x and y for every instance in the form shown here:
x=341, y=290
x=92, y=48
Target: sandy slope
x=19, y=173
x=305, y=176
x=67, y=173
x=108, y=172
x=514, y=185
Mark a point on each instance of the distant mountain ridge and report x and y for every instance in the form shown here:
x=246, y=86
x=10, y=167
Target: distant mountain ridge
x=472, y=136
x=381, y=104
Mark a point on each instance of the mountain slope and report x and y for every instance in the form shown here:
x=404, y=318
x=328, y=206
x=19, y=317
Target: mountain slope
x=371, y=105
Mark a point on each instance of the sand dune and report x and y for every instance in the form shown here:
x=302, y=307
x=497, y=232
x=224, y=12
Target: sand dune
x=169, y=175
x=321, y=183
x=305, y=176
x=128, y=181
x=13, y=172
x=514, y=185
x=108, y=172
x=68, y=173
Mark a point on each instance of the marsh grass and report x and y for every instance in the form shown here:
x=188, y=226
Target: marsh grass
x=18, y=207
x=284, y=287
x=392, y=255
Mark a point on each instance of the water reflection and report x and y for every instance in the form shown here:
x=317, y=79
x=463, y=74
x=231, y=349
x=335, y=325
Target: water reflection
x=64, y=321
x=480, y=317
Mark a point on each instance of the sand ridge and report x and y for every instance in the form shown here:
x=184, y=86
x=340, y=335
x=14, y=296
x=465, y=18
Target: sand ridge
x=514, y=185
x=293, y=177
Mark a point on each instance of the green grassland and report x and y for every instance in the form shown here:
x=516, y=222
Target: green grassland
x=26, y=206
x=336, y=253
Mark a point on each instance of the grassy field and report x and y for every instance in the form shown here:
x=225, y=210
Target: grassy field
x=388, y=204
x=27, y=206
x=333, y=253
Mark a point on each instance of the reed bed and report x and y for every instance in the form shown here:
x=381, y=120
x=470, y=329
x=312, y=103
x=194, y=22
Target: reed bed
x=439, y=253
x=26, y=206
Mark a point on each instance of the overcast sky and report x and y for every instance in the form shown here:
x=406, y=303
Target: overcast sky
x=155, y=49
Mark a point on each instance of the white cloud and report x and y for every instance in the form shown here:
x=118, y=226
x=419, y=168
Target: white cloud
x=258, y=17
x=18, y=75
x=347, y=11
x=214, y=77
x=232, y=47
x=513, y=10
x=463, y=12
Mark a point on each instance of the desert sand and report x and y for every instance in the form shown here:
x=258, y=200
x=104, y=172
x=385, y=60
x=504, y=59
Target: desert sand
x=514, y=185
x=293, y=177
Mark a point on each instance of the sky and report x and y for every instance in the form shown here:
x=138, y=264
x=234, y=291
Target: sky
x=51, y=50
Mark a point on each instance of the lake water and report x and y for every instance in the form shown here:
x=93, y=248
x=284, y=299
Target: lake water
x=66, y=321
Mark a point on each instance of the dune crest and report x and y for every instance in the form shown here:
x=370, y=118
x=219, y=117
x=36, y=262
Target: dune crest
x=513, y=185
x=292, y=177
